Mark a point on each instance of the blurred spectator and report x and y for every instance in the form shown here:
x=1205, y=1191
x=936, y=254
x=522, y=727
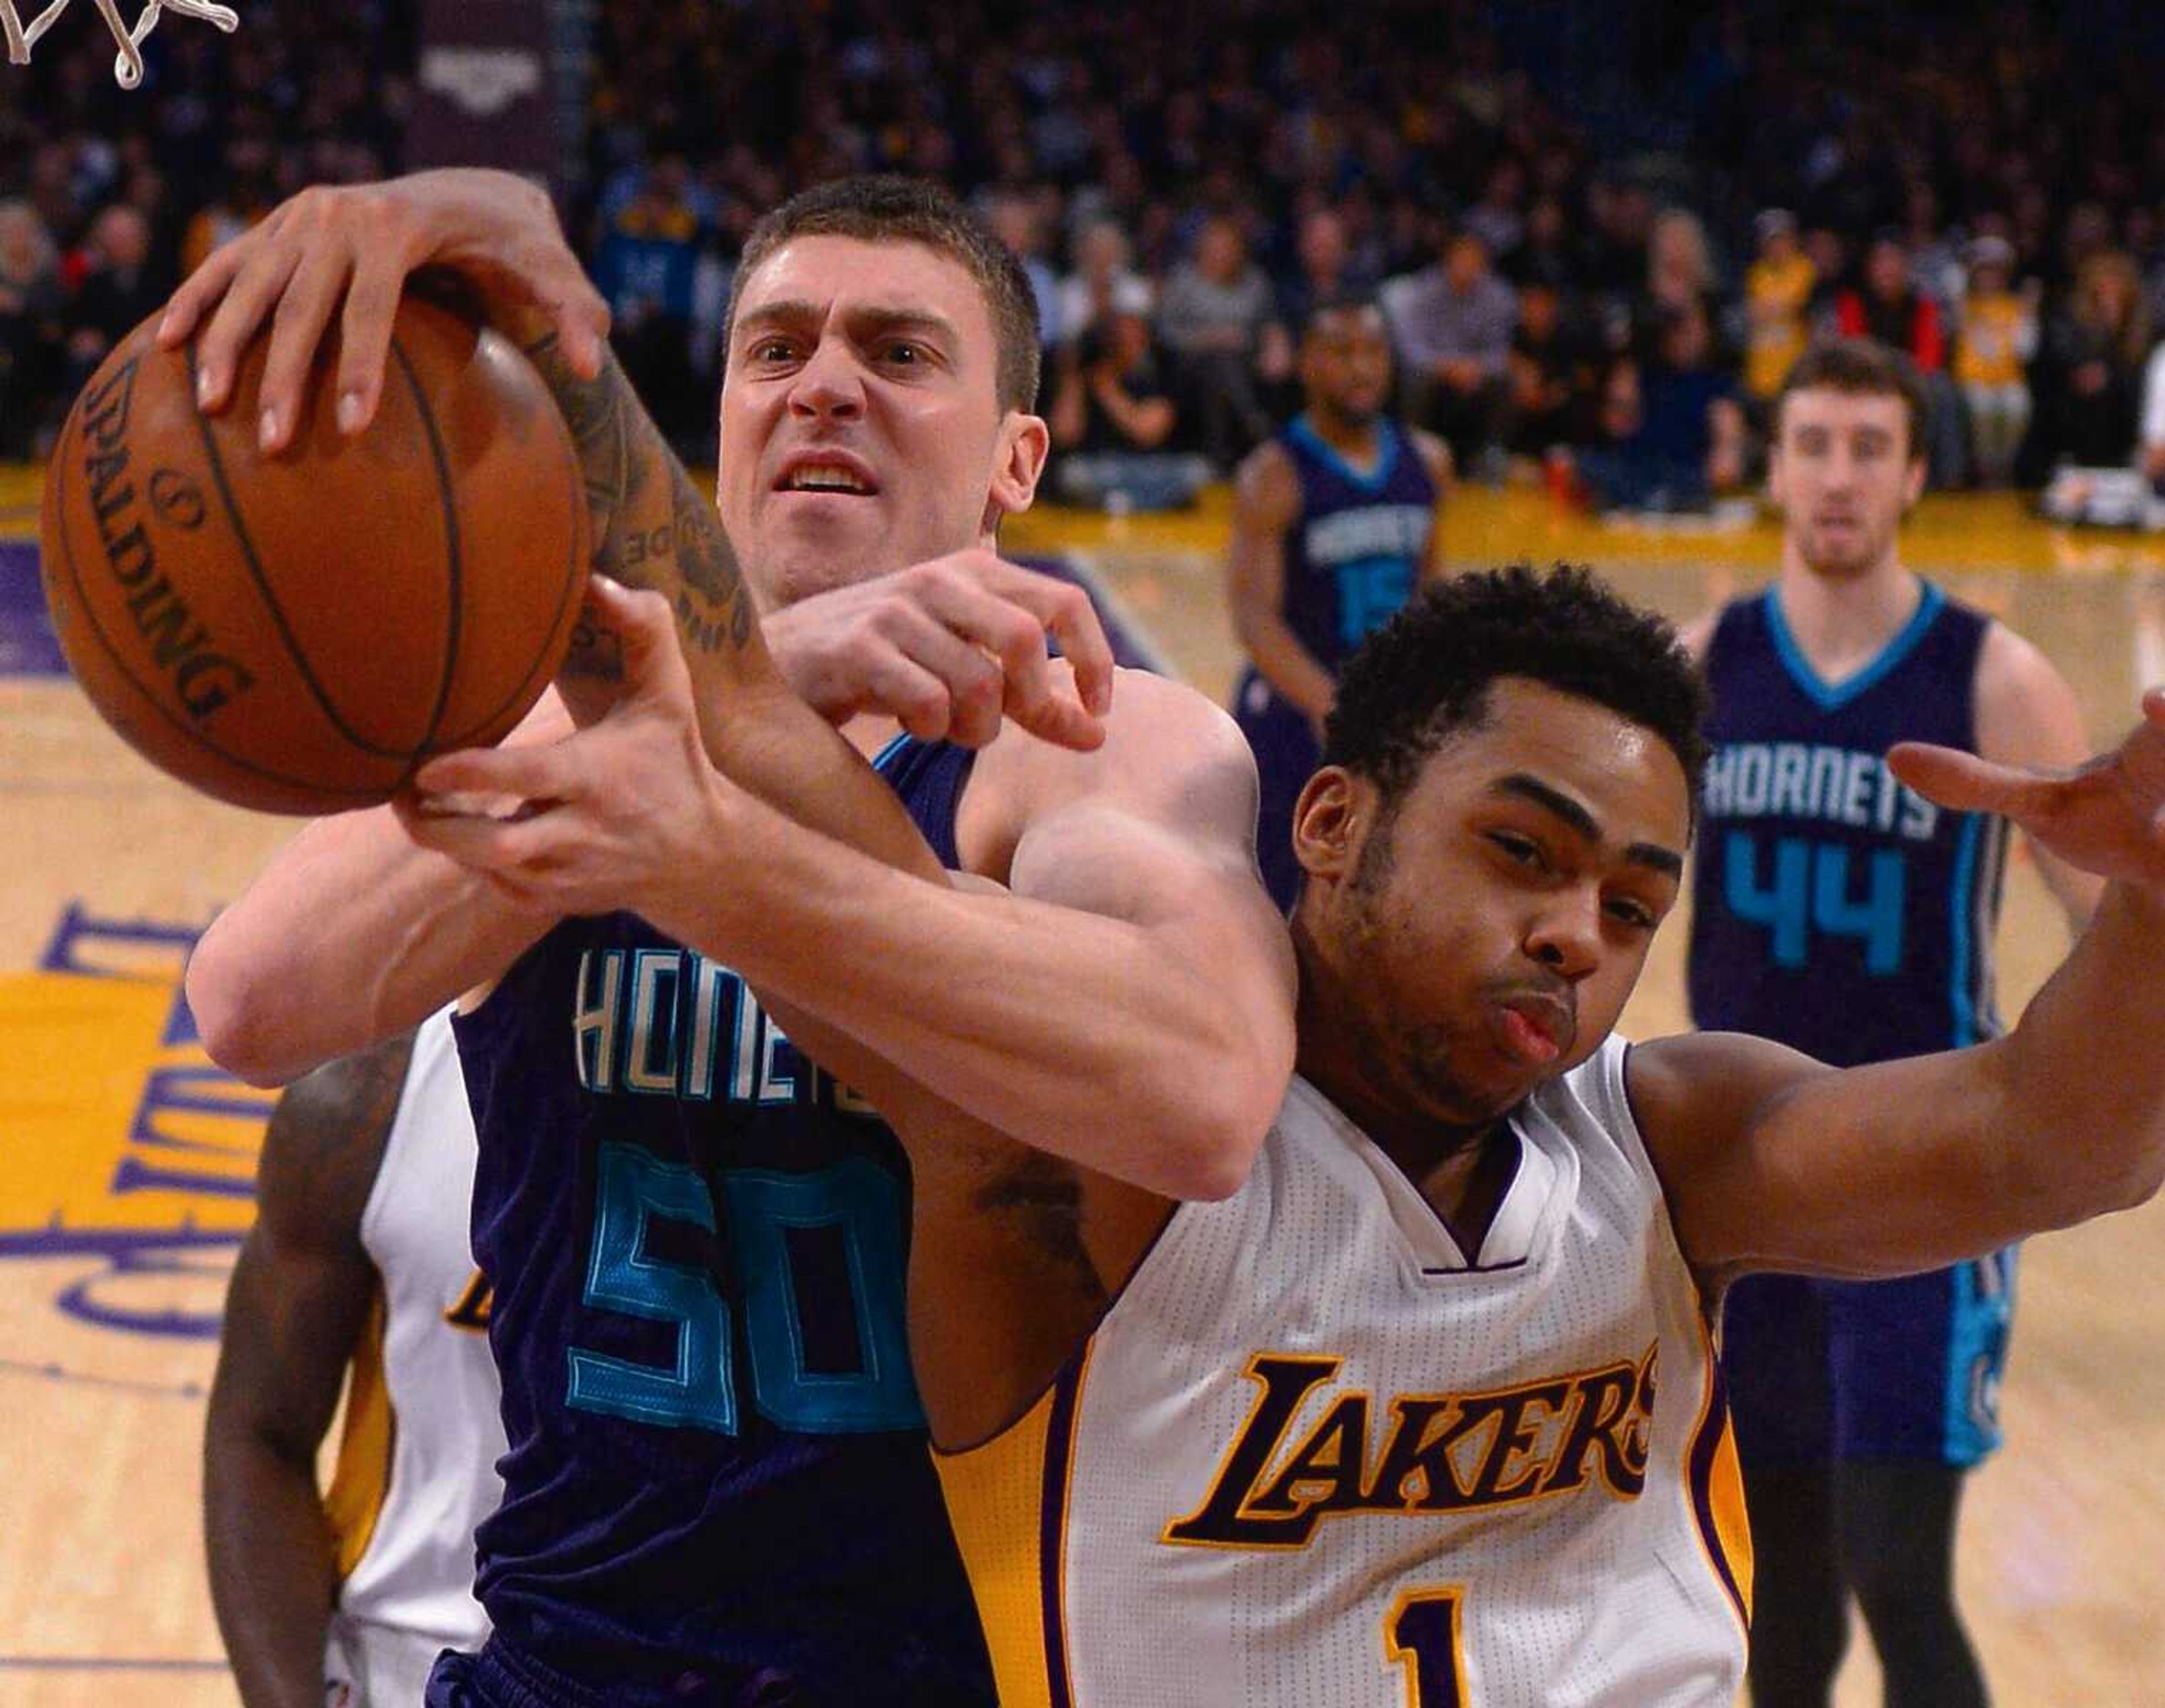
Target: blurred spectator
x=1324, y=272
x=2091, y=372
x=30, y=327
x=1827, y=251
x=247, y=194
x=1777, y=289
x=1935, y=260
x=1544, y=254
x=647, y=269
x=1545, y=372
x=1995, y=339
x=1113, y=418
x=1674, y=431
x=1217, y=321
x=117, y=293
x=1496, y=218
x=1102, y=283
x=1016, y=222
x=1679, y=271
x=1889, y=306
x=1452, y=323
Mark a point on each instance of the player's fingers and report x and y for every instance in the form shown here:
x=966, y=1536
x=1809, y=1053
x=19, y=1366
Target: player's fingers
x=1062, y=719
x=937, y=681
x=550, y=773
x=1965, y=783
x=582, y=317
x=310, y=298
x=1066, y=612
x=200, y=292
x=646, y=630
x=239, y=315
x=521, y=850
x=371, y=304
x=2154, y=706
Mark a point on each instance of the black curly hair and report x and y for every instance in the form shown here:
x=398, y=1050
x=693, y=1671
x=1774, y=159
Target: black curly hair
x=1425, y=675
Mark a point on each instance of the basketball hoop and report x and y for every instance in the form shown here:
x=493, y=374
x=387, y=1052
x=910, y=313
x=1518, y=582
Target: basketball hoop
x=128, y=67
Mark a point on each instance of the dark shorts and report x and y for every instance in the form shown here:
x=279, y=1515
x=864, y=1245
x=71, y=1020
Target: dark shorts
x=494, y=1678
x=1822, y=1371
x=1284, y=745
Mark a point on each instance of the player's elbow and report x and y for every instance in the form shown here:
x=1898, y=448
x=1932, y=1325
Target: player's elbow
x=2143, y=1180
x=2073, y=1191
x=234, y=1016
x=1221, y=1134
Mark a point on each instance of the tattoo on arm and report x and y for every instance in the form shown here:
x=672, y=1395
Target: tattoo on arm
x=682, y=555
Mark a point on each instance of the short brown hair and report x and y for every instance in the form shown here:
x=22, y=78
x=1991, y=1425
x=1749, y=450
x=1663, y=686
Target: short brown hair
x=888, y=208
x=1864, y=367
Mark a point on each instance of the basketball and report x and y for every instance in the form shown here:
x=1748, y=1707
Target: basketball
x=298, y=633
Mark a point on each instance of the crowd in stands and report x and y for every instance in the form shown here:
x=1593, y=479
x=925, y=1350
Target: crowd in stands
x=1600, y=235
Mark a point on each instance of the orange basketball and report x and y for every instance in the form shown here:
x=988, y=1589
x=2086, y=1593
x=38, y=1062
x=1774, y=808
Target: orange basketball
x=298, y=633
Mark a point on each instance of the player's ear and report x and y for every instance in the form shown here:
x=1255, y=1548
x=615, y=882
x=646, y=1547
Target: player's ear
x=1018, y=460
x=1913, y=481
x=1330, y=821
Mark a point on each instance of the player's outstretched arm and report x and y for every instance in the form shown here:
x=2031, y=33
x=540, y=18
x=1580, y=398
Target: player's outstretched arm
x=1772, y=1161
x=299, y=1297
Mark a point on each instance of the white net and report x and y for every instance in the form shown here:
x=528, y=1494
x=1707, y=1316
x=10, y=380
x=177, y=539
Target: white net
x=128, y=67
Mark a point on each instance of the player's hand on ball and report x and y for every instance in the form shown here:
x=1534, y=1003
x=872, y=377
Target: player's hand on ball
x=346, y=252
x=2108, y=817
x=950, y=649
x=614, y=815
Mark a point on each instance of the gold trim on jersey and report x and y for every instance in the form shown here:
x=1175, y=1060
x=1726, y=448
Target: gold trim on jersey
x=1008, y=1499
x=361, y=1482
x=1719, y=1494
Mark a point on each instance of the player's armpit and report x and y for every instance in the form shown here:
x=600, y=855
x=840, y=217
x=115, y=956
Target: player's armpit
x=1015, y=1256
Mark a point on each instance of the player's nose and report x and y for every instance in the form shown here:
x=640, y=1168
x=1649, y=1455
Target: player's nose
x=829, y=384
x=1565, y=935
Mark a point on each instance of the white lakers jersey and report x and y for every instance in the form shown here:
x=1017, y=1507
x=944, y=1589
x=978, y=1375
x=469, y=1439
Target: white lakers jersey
x=417, y=1463
x=1315, y=1454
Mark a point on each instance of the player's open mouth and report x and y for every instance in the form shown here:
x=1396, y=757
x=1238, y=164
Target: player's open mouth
x=827, y=472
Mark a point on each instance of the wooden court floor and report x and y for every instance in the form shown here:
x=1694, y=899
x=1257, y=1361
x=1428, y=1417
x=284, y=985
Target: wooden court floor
x=124, y=1181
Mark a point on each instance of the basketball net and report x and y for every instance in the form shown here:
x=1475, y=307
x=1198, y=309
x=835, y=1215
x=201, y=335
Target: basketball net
x=128, y=67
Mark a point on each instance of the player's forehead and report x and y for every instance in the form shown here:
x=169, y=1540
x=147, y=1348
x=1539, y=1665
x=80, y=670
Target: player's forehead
x=828, y=278
x=1826, y=409
x=1618, y=771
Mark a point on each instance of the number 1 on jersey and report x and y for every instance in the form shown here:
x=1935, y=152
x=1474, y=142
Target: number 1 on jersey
x=1422, y=1633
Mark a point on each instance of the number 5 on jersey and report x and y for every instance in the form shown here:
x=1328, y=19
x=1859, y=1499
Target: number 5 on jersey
x=1422, y=1633
x=841, y=1224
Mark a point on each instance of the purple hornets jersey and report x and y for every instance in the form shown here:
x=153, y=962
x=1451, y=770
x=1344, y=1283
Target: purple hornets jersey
x=1834, y=909
x=1353, y=555
x=718, y=1488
